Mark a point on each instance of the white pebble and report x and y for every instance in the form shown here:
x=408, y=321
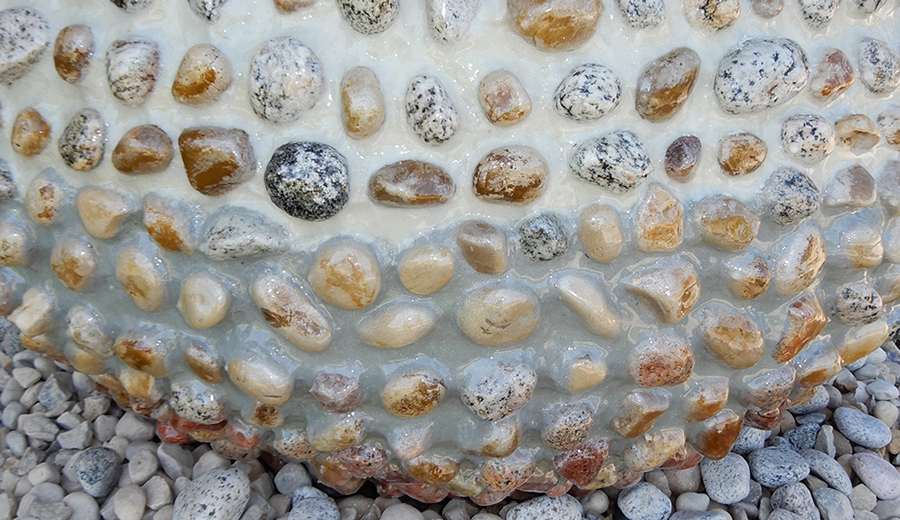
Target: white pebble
x=129, y=503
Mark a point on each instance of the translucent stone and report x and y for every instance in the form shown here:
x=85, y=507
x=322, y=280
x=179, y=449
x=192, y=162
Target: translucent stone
x=74, y=261
x=499, y=314
x=805, y=320
x=398, y=323
x=664, y=359
x=204, y=300
x=741, y=153
x=103, y=210
x=483, y=246
x=725, y=222
x=346, y=275
x=732, y=336
x=669, y=288
x=143, y=149
x=362, y=103
x=202, y=76
x=425, y=269
x=557, y=25
x=600, y=231
x=72, y=52
x=639, y=411
x=583, y=295
x=833, y=75
x=288, y=310
x=659, y=221
x=411, y=183
x=413, y=393
x=799, y=259
x=503, y=98
x=665, y=84
x=512, y=174
x=142, y=277
x=705, y=398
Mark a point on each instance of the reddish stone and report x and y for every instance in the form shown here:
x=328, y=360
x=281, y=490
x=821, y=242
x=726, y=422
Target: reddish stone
x=243, y=435
x=582, y=464
x=768, y=420
x=684, y=460
x=364, y=461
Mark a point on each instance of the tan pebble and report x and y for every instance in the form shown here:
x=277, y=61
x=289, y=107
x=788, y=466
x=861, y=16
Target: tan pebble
x=566, y=426
x=585, y=372
x=35, y=315
x=682, y=157
x=425, y=269
x=84, y=361
x=483, y=246
x=713, y=15
x=204, y=362
x=662, y=360
x=346, y=275
x=725, y=222
x=287, y=309
x=72, y=52
x=140, y=385
x=168, y=224
x=862, y=340
x=293, y=443
x=799, y=260
x=748, y=276
x=741, y=153
x=705, y=399
x=83, y=141
x=659, y=219
x=340, y=434
x=502, y=439
x=768, y=390
x=398, y=323
x=102, y=210
x=203, y=75
x=654, y=449
x=857, y=132
x=266, y=416
x=495, y=315
x=16, y=243
x=512, y=174
x=665, y=84
x=30, y=133
x=503, y=98
x=142, y=277
x=639, y=411
x=45, y=197
x=43, y=344
x=817, y=364
x=669, y=288
x=805, y=320
x=600, y=231
x=145, y=350
x=411, y=183
x=732, y=336
x=362, y=103
x=408, y=442
x=262, y=379
x=143, y=149
x=852, y=186
x=860, y=243
x=74, y=261
x=204, y=300
x=290, y=6
x=337, y=393
x=433, y=469
x=833, y=75
x=413, y=393
x=555, y=25
x=718, y=434
x=766, y=8
x=88, y=330
x=216, y=160
x=889, y=123
x=586, y=298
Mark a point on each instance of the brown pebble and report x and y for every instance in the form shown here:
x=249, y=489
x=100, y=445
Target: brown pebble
x=483, y=246
x=682, y=157
x=725, y=222
x=45, y=197
x=72, y=52
x=290, y=6
x=659, y=221
x=748, y=276
x=144, y=350
x=513, y=174
x=639, y=411
x=705, y=399
x=346, y=275
x=665, y=84
x=555, y=25
x=204, y=362
x=732, y=336
x=30, y=133
x=600, y=231
x=74, y=261
x=143, y=149
x=718, y=434
x=857, y=132
x=834, y=74
x=142, y=277
x=203, y=75
x=362, y=103
x=411, y=183
x=168, y=224
x=503, y=98
x=664, y=359
x=741, y=153
x=216, y=160
x=805, y=320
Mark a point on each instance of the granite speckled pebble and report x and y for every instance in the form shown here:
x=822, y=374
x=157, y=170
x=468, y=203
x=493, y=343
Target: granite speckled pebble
x=430, y=111
x=616, y=161
x=644, y=502
x=727, y=481
x=828, y=469
x=879, y=66
x=833, y=505
x=797, y=499
x=369, y=16
x=97, y=470
x=775, y=467
x=308, y=180
x=241, y=233
x=285, y=80
x=564, y=507
x=217, y=495
x=449, y=20
x=24, y=37
x=207, y=9
x=877, y=474
x=861, y=428
x=789, y=195
x=587, y=93
x=642, y=14
x=760, y=74
x=543, y=237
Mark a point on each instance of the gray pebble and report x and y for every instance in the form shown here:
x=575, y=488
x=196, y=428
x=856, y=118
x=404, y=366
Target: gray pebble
x=83, y=140
x=142, y=466
x=882, y=390
x=879, y=66
x=683, y=480
x=208, y=9
x=644, y=502
x=16, y=442
x=784, y=514
x=588, y=93
x=716, y=514
x=616, y=161
x=315, y=509
x=857, y=304
x=563, y=507
x=429, y=110
x=97, y=470
x=828, y=469
x=861, y=428
x=833, y=505
x=802, y=437
x=55, y=391
x=807, y=138
x=308, y=180
x=241, y=233
x=135, y=427
x=496, y=391
x=818, y=402
x=818, y=13
x=596, y=503
x=877, y=474
x=196, y=402
x=132, y=66
x=26, y=376
x=760, y=74
x=83, y=506
x=797, y=499
x=158, y=491
x=789, y=195
x=217, y=495
x=776, y=467
x=38, y=427
x=11, y=414
x=862, y=498
x=132, y=6
x=8, y=192
x=290, y=477
x=105, y=427
x=727, y=481
x=175, y=460
x=692, y=502
x=24, y=37
x=369, y=16
x=449, y=20
x=543, y=237
x=285, y=80
x=642, y=14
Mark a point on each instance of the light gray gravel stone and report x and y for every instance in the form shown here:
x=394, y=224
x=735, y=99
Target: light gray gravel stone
x=7, y=506
x=644, y=502
x=776, y=467
x=208, y=462
x=129, y=503
x=818, y=402
x=77, y=438
x=318, y=509
x=862, y=498
x=877, y=474
x=861, y=428
x=797, y=499
x=286, y=80
x=692, y=502
x=290, y=477
x=175, y=460
x=828, y=469
x=217, y=495
x=825, y=440
x=715, y=514
x=596, y=503
x=26, y=376
x=142, y=466
x=83, y=506
x=749, y=440
x=564, y=507
x=886, y=412
x=833, y=505
x=24, y=37
x=135, y=428
x=158, y=492
x=882, y=390
x=683, y=480
x=727, y=480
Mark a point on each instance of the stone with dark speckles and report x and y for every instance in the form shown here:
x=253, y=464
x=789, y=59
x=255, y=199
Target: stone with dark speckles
x=616, y=161
x=644, y=502
x=217, y=495
x=789, y=195
x=642, y=14
x=862, y=428
x=208, y=9
x=24, y=37
x=449, y=20
x=241, y=233
x=8, y=189
x=132, y=66
x=369, y=16
x=97, y=470
x=429, y=110
x=818, y=13
x=83, y=141
x=543, y=237
x=132, y=6
x=587, y=93
x=285, y=80
x=807, y=138
x=857, y=304
x=308, y=180
x=496, y=391
x=760, y=74
x=775, y=467
x=879, y=66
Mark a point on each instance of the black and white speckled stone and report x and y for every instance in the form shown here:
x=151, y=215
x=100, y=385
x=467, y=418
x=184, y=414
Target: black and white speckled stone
x=8, y=189
x=208, y=9
x=132, y=6
x=616, y=161
x=285, y=80
x=789, y=195
x=857, y=304
x=807, y=138
x=642, y=14
x=83, y=141
x=308, y=180
x=132, y=66
x=644, y=502
x=429, y=110
x=727, y=481
x=588, y=93
x=449, y=20
x=196, y=402
x=217, y=495
x=313, y=507
x=759, y=74
x=369, y=16
x=543, y=237
x=563, y=507
x=496, y=390
x=775, y=467
x=828, y=469
x=240, y=233
x=818, y=13
x=24, y=36
x=712, y=15
x=861, y=428
x=797, y=499
x=869, y=6
x=879, y=66
x=97, y=470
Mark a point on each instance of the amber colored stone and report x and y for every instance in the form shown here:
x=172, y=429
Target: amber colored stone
x=287, y=309
x=718, y=434
x=665, y=84
x=45, y=197
x=862, y=340
x=669, y=288
x=805, y=320
x=799, y=261
x=556, y=25
x=682, y=157
x=337, y=393
x=346, y=275
x=168, y=433
x=411, y=183
x=834, y=74
x=816, y=364
x=142, y=277
x=506, y=474
x=74, y=261
x=290, y=6
x=769, y=389
x=502, y=440
x=659, y=219
x=30, y=133
x=852, y=186
x=705, y=398
x=426, y=269
x=143, y=149
x=243, y=435
x=72, y=52
x=639, y=411
x=16, y=243
x=748, y=276
x=143, y=351
x=168, y=224
x=686, y=459
x=582, y=464
x=216, y=160
x=203, y=75
x=732, y=336
x=741, y=153
x=725, y=222
x=433, y=469
x=204, y=362
x=857, y=132
x=653, y=450
x=503, y=98
x=140, y=385
x=585, y=372
x=103, y=210
x=664, y=359
x=512, y=174
x=337, y=433
x=414, y=393
x=362, y=103
x=483, y=246
x=293, y=443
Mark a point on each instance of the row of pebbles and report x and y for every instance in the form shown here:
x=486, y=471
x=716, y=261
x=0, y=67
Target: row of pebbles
x=70, y=453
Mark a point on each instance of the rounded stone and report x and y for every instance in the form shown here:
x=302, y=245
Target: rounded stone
x=499, y=314
x=398, y=323
x=682, y=157
x=74, y=262
x=644, y=502
x=775, y=467
x=662, y=360
x=132, y=66
x=426, y=269
x=741, y=153
x=30, y=133
x=714, y=15
x=543, y=237
x=862, y=428
x=430, y=111
x=496, y=390
x=727, y=481
x=204, y=300
x=25, y=36
x=217, y=495
x=857, y=304
x=369, y=16
x=503, y=98
x=143, y=149
x=512, y=174
x=789, y=195
x=308, y=180
x=362, y=103
x=807, y=138
x=204, y=73
x=616, y=161
x=879, y=66
x=285, y=80
x=665, y=84
x=556, y=25
x=346, y=275
x=600, y=231
x=411, y=183
x=413, y=393
x=833, y=75
x=72, y=52
x=779, y=70
x=83, y=141
x=216, y=160
x=97, y=470
x=587, y=93
x=261, y=379
x=879, y=475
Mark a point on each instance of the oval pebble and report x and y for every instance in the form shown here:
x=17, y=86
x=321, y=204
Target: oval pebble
x=644, y=502
x=879, y=66
x=429, y=110
x=285, y=80
x=828, y=469
x=132, y=66
x=217, y=495
x=496, y=390
x=546, y=508
x=727, y=481
x=24, y=37
x=543, y=237
x=789, y=195
x=862, y=428
x=587, y=93
x=807, y=138
x=207, y=9
x=775, y=467
x=818, y=13
x=449, y=20
x=760, y=74
x=642, y=14
x=97, y=470
x=879, y=475
x=83, y=141
x=240, y=233
x=369, y=16
x=795, y=498
x=495, y=315
x=616, y=161
x=204, y=73
x=308, y=180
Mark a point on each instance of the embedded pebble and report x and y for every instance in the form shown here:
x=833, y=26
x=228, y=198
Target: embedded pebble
x=168, y=223
x=857, y=304
x=291, y=6
x=833, y=75
x=868, y=6
x=97, y=470
x=261, y=379
x=143, y=149
x=336, y=393
x=8, y=189
x=362, y=103
x=88, y=330
x=616, y=161
x=546, y=508
x=644, y=502
x=241, y=233
x=741, y=153
x=879, y=66
x=449, y=20
x=600, y=231
x=425, y=269
x=565, y=427
x=584, y=296
x=398, y=323
x=132, y=66
x=346, y=275
x=413, y=393
x=806, y=319
x=587, y=93
x=705, y=399
x=712, y=16
x=217, y=495
x=503, y=98
x=16, y=243
x=818, y=13
x=202, y=76
x=483, y=246
x=556, y=25
x=682, y=157
x=862, y=428
x=103, y=211
x=659, y=221
x=877, y=474
x=369, y=16
x=856, y=132
x=74, y=262
x=828, y=469
x=72, y=52
x=495, y=314
x=498, y=390
x=669, y=288
x=727, y=223
x=662, y=360
x=83, y=140
x=665, y=84
x=760, y=74
x=512, y=174
x=25, y=35
x=132, y=6
x=429, y=110
x=889, y=123
x=789, y=195
x=207, y=9
x=727, y=481
x=204, y=363
x=642, y=14
x=775, y=467
x=196, y=402
x=30, y=133
x=285, y=80
x=807, y=138
x=543, y=237
x=288, y=310
x=853, y=186
x=732, y=336
x=216, y=160
x=308, y=180
x=411, y=183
